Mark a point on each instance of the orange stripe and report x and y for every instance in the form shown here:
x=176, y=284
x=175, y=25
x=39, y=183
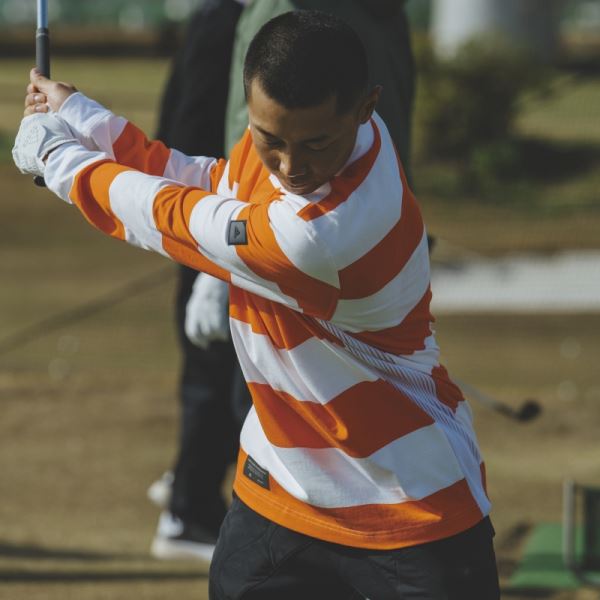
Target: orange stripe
x=237, y=160
x=216, y=173
x=446, y=391
x=408, y=336
x=133, y=149
x=343, y=185
x=252, y=183
x=172, y=209
x=90, y=193
x=247, y=170
x=377, y=526
x=285, y=328
x=361, y=420
x=383, y=262
x=265, y=258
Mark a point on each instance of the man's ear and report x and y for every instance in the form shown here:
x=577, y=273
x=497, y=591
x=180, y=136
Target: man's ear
x=368, y=104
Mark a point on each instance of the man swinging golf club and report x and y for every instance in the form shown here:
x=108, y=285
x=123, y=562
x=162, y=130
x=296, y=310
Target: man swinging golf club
x=359, y=474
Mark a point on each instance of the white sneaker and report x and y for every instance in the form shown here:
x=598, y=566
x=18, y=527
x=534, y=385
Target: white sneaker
x=176, y=540
x=160, y=491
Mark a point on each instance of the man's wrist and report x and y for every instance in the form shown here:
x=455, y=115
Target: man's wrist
x=83, y=116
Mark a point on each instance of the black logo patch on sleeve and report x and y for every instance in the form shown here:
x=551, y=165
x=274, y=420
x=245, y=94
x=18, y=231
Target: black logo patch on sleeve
x=236, y=235
x=254, y=472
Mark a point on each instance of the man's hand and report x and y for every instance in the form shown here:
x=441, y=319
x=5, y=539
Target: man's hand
x=206, y=313
x=44, y=95
x=38, y=135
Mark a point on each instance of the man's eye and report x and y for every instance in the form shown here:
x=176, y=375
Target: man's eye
x=272, y=143
x=317, y=147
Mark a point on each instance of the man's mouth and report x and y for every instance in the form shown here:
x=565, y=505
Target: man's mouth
x=297, y=184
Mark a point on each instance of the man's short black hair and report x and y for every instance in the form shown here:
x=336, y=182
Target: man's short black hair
x=302, y=58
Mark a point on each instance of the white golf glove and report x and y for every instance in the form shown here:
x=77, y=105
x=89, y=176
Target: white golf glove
x=38, y=135
x=207, y=311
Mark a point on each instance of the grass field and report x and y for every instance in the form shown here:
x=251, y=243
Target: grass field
x=89, y=414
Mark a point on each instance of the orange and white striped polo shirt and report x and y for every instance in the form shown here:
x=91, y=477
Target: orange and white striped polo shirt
x=357, y=435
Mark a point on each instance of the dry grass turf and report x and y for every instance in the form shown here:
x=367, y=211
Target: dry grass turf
x=89, y=413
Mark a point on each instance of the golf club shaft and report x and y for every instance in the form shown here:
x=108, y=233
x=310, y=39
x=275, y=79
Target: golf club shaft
x=42, y=53
x=486, y=400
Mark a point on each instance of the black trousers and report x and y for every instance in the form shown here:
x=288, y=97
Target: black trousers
x=257, y=559
x=214, y=403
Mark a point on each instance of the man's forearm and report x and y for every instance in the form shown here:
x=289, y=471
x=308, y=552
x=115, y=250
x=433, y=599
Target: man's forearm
x=100, y=129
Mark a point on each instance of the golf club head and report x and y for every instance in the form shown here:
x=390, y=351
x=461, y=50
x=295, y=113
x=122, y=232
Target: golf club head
x=529, y=410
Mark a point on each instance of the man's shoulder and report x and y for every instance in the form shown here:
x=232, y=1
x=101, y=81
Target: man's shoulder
x=371, y=179
x=243, y=171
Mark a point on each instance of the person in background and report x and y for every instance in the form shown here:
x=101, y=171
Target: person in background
x=213, y=395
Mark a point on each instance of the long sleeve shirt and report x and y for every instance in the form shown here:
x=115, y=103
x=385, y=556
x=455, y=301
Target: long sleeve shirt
x=357, y=435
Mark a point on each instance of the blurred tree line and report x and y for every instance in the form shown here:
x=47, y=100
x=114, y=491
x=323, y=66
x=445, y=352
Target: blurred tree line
x=468, y=102
x=476, y=69
x=150, y=13
x=127, y=14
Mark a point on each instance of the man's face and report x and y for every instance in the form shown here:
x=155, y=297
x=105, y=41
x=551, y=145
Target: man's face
x=304, y=147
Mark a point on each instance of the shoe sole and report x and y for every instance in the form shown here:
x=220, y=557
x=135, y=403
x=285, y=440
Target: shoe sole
x=165, y=549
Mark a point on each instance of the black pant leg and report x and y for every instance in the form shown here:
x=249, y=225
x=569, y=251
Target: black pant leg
x=208, y=431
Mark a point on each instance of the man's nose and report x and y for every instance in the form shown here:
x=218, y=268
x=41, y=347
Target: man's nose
x=292, y=165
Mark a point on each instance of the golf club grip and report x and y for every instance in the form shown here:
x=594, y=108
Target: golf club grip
x=42, y=51
x=42, y=62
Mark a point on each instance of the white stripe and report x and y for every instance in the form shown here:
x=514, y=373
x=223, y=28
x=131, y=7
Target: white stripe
x=93, y=122
x=359, y=223
x=64, y=164
x=209, y=225
x=293, y=371
x=429, y=355
x=468, y=455
x=296, y=239
x=108, y=132
x=420, y=388
x=390, y=305
x=364, y=140
x=252, y=369
x=384, y=362
x=132, y=197
x=457, y=427
x=254, y=284
x=223, y=188
x=194, y=171
x=329, y=478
